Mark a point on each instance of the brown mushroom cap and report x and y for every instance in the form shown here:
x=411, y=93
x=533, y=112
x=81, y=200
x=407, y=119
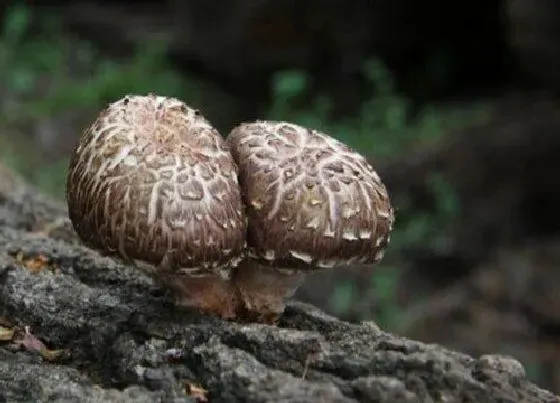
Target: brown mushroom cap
x=152, y=181
x=311, y=200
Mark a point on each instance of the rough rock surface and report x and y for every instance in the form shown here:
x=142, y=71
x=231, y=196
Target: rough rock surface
x=125, y=342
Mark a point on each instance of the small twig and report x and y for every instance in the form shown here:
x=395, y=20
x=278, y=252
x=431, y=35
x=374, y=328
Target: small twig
x=306, y=366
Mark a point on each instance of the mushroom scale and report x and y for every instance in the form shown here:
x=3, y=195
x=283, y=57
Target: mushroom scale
x=153, y=183
x=312, y=201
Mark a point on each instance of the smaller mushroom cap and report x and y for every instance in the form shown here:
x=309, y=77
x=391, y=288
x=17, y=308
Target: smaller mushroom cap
x=311, y=200
x=151, y=181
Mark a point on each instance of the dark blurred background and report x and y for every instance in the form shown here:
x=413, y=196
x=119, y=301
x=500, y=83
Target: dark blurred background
x=455, y=103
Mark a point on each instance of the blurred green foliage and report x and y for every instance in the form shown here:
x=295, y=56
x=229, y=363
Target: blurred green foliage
x=385, y=124
x=384, y=127
x=51, y=74
x=48, y=75
x=69, y=73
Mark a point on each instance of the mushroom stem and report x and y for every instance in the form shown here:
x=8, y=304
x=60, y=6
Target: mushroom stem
x=263, y=289
x=209, y=294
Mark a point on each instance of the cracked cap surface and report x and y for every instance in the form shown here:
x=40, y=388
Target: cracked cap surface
x=311, y=200
x=152, y=181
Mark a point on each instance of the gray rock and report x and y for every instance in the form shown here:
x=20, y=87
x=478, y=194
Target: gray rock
x=128, y=343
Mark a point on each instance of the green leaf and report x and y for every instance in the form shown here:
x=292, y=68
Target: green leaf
x=288, y=84
x=15, y=24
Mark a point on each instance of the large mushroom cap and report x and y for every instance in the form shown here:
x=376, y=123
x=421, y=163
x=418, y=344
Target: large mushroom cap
x=152, y=181
x=311, y=200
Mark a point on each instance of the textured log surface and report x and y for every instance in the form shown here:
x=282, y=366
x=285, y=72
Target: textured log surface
x=125, y=342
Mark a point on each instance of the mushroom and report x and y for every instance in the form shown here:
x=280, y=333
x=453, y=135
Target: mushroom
x=153, y=184
x=312, y=203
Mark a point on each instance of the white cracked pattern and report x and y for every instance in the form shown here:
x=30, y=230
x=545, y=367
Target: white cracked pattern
x=311, y=200
x=151, y=181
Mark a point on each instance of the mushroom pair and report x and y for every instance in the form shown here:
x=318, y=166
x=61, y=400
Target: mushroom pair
x=231, y=225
